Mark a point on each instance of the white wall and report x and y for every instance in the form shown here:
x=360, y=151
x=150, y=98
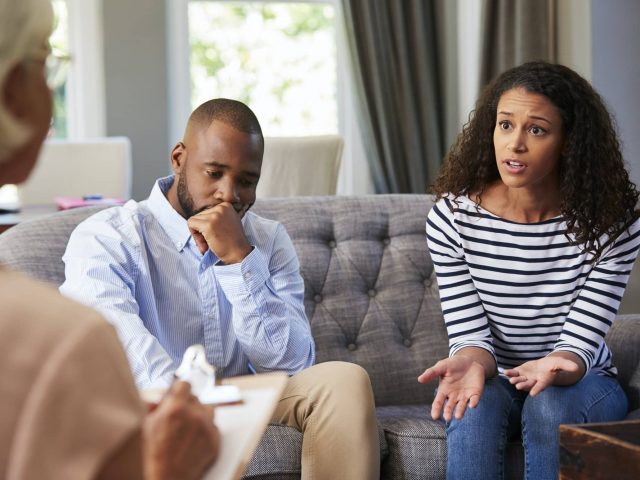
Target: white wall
x=616, y=69
x=136, y=85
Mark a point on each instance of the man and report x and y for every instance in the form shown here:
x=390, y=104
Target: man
x=193, y=265
x=69, y=405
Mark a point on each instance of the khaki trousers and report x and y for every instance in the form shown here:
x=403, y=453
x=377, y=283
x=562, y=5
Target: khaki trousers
x=332, y=405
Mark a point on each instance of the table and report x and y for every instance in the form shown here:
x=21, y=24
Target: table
x=29, y=212
x=600, y=451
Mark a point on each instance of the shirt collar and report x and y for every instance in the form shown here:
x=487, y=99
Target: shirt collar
x=171, y=221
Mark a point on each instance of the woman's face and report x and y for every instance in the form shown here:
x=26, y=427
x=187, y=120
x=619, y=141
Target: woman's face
x=528, y=139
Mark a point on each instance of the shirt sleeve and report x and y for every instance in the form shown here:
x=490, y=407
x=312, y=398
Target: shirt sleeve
x=266, y=292
x=101, y=267
x=82, y=408
x=597, y=303
x=464, y=315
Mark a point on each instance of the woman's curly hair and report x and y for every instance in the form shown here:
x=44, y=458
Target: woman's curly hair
x=597, y=196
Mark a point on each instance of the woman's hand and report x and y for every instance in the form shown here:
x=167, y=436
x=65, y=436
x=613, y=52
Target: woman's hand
x=557, y=368
x=179, y=437
x=461, y=384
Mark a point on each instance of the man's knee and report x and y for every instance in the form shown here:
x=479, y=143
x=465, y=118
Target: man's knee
x=343, y=382
x=348, y=375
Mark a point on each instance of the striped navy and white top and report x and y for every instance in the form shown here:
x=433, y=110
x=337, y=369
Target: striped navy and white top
x=139, y=266
x=522, y=291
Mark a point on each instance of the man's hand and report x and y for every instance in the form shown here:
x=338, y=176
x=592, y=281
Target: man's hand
x=179, y=437
x=219, y=228
x=558, y=368
x=461, y=384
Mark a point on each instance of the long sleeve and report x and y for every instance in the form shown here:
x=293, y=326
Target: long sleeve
x=102, y=263
x=596, y=305
x=266, y=292
x=464, y=314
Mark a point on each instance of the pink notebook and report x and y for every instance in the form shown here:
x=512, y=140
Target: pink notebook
x=65, y=203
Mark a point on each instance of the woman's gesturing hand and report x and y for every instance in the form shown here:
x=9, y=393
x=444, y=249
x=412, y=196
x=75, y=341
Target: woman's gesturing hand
x=558, y=368
x=461, y=384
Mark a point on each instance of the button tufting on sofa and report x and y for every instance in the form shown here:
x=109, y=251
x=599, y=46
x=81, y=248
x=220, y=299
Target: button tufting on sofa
x=352, y=346
x=427, y=282
x=332, y=244
x=386, y=241
x=317, y=298
x=372, y=293
x=407, y=342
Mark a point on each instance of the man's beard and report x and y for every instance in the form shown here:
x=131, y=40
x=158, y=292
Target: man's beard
x=185, y=199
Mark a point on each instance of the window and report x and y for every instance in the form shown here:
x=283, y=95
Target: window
x=294, y=94
x=58, y=78
x=277, y=57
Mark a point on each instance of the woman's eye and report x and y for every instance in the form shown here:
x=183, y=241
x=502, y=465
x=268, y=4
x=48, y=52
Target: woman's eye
x=535, y=130
x=214, y=174
x=504, y=125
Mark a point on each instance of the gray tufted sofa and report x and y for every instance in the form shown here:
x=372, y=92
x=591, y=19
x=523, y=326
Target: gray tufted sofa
x=372, y=299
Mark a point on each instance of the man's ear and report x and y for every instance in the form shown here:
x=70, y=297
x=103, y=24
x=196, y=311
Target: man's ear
x=178, y=157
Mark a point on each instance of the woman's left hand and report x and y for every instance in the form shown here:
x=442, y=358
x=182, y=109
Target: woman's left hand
x=558, y=368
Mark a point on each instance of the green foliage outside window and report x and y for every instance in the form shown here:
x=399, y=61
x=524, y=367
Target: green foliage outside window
x=279, y=58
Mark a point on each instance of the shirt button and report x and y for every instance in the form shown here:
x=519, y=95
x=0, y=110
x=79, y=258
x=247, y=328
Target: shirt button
x=352, y=346
x=179, y=244
x=372, y=293
x=317, y=298
x=247, y=275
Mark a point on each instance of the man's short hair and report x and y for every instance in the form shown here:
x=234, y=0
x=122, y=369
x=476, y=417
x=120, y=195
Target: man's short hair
x=232, y=112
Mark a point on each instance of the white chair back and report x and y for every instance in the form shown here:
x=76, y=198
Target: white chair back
x=78, y=168
x=300, y=166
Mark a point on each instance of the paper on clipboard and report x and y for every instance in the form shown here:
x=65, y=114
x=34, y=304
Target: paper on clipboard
x=242, y=425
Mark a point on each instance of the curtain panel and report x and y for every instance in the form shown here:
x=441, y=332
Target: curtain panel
x=514, y=32
x=397, y=51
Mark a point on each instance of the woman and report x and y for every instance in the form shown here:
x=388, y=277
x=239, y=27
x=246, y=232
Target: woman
x=69, y=405
x=533, y=237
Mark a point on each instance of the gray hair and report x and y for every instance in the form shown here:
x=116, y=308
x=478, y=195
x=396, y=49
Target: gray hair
x=25, y=26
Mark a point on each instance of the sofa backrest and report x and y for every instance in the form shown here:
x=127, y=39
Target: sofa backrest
x=370, y=290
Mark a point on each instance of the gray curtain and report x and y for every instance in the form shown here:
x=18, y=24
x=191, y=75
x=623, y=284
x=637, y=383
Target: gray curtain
x=514, y=32
x=400, y=69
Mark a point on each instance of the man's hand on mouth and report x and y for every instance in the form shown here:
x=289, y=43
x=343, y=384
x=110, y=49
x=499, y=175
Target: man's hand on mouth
x=220, y=229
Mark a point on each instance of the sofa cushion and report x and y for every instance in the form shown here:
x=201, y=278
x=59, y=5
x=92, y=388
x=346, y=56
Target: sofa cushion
x=623, y=339
x=417, y=444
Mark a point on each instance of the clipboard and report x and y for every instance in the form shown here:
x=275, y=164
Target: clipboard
x=242, y=425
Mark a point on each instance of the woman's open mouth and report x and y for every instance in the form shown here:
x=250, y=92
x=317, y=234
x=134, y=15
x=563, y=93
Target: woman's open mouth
x=514, y=166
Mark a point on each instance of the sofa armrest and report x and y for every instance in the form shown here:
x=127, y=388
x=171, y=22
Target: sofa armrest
x=623, y=340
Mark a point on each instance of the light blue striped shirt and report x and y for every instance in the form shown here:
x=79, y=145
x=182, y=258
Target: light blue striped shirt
x=139, y=266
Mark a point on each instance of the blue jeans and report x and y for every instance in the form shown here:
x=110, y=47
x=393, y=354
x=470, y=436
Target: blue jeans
x=476, y=443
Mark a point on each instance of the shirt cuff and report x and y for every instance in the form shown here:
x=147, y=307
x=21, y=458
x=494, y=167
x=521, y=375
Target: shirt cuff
x=244, y=277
